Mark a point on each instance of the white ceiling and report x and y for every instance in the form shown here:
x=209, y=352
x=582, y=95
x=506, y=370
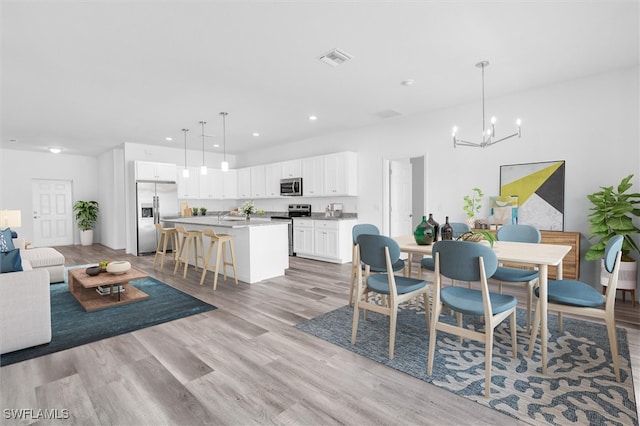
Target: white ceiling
x=89, y=75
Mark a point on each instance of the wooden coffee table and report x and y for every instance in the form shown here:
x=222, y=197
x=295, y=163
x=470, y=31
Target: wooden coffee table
x=84, y=288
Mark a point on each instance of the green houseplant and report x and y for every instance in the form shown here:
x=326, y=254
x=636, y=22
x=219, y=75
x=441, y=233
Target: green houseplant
x=612, y=214
x=472, y=205
x=86, y=218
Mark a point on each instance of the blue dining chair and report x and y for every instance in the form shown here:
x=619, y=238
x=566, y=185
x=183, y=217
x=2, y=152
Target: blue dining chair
x=356, y=231
x=577, y=297
x=518, y=276
x=469, y=261
x=381, y=253
x=459, y=228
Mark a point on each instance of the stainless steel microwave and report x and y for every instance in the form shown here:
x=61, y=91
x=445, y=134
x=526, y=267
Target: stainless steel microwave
x=291, y=187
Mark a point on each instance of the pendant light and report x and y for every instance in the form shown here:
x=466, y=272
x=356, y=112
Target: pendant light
x=489, y=133
x=185, y=172
x=224, y=165
x=203, y=168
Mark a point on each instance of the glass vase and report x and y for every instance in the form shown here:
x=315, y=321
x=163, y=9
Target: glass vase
x=424, y=233
x=447, y=230
x=436, y=227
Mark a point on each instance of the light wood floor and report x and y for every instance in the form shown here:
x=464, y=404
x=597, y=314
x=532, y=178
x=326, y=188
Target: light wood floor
x=241, y=364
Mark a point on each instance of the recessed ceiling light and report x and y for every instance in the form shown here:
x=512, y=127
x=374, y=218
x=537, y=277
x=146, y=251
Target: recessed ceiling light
x=313, y=117
x=55, y=150
x=13, y=140
x=168, y=139
x=408, y=82
x=216, y=145
x=256, y=134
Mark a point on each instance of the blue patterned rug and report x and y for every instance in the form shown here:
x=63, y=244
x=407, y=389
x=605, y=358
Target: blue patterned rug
x=580, y=387
x=72, y=326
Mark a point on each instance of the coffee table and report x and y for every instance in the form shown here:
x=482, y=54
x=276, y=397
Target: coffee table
x=83, y=287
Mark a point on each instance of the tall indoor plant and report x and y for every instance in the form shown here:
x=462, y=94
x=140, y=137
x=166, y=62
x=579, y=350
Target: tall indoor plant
x=472, y=205
x=86, y=218
x=612, y=214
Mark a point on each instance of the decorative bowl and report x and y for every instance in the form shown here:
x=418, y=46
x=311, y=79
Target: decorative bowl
x=93, y=271
x=118, y=267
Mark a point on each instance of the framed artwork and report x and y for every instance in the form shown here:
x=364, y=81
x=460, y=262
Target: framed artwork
x=539, y=188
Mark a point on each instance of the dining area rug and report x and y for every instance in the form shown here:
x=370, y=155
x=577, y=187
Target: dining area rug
x=580, y=387
x=72, y=326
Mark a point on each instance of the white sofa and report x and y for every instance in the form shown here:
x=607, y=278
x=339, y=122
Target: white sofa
x=25, y=308
x=43, y=258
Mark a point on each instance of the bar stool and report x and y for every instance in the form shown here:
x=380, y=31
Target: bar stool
x=222, y=240
x=167, y=235
x=189, y=237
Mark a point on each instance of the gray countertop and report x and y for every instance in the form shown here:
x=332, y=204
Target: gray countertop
x=225, y=223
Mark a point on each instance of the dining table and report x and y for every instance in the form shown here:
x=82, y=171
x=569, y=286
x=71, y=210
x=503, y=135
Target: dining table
x=537, y=255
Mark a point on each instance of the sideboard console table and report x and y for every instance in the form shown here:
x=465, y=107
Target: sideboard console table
x=571, y=262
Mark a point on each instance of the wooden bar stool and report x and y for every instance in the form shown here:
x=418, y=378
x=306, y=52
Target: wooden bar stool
x=189, y=237
x=167, y=235
x=222, y=240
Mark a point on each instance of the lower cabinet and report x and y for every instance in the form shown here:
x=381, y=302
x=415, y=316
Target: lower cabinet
x=327, y=240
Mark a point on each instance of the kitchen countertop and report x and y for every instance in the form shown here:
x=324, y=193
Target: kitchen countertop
x=225, y=223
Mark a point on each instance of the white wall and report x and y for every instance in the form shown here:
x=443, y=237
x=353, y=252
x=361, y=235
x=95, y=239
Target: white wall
x=19, y=168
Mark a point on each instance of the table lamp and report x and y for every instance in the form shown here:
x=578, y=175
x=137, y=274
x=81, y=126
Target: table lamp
x=11, y=219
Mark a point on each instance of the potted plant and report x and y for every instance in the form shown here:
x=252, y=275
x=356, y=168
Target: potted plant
x=203, y=211
x=612, y=214
x=87, y=218
x=472, y=206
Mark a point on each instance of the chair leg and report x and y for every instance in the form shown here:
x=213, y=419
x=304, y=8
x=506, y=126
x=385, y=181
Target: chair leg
x=165, y=238
x=427, y=309
x=233, y=261
x=613, y=344
x=534, y=329
x=559, y=322
x=392, y=329
x=514, y=336
x=215, y=272
x=155, y=258
x=356, y=314
x=205, y=267
x=459, y=320
x=435, y=314
x=488, y=358
x=185, y=259
x=179, y=257
x=529, y=301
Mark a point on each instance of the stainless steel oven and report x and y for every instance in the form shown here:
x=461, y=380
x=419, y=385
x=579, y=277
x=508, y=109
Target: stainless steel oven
x=295, y=210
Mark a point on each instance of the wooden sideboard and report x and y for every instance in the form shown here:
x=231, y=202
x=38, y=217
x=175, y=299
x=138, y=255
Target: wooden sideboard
x=571, y=262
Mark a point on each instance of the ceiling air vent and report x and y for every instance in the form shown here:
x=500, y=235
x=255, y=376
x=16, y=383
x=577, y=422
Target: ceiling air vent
x=335, y=57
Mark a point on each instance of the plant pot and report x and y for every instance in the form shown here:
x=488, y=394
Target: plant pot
x=86, y=237
x=627, y=275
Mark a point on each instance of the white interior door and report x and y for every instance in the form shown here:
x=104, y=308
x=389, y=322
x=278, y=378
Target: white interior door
x=52, y=213
x=400, y=193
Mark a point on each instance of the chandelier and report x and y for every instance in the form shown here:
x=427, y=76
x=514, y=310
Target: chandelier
x=489, y=133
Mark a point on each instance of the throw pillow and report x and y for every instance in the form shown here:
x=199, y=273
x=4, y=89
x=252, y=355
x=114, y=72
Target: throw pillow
x=5, y=241
x=10, y=261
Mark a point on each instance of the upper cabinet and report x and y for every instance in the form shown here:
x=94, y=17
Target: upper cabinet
x=291, y=169
x=148, y=170
x=230, y=184
x=188, y=187
x=273, y=174
x=340, y=174
x=258, y=184
x=211, y=185
x=312, y=176
x=244, y=182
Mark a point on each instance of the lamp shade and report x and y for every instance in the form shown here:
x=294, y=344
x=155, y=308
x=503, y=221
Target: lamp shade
x=10, y=218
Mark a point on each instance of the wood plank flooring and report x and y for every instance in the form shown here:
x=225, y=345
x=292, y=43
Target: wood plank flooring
x=241, y=364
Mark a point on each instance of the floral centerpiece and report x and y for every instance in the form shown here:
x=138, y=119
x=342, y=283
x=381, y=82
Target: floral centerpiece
x=248, y=208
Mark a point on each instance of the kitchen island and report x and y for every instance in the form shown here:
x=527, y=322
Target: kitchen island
x=261, y=245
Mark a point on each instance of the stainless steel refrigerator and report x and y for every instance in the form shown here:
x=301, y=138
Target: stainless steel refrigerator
x=154, y=201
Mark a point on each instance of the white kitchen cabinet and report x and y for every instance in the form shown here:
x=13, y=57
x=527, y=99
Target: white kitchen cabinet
x=230, y=184
x=188, y=187
x=340, y=173
x=211, y=185
x=291, y=169
x=244, y=182
x=312, y=176
x=303, y=237
x=258, y=184
x=326, y=240
x=148, y=170
x=273, y=174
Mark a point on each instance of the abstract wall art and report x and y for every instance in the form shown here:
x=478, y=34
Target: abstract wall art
x=540, y=191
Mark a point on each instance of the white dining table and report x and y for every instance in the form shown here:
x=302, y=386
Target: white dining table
x=540, y=256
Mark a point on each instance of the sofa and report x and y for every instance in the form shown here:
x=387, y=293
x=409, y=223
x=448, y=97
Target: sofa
x=43, y=258
x=25, y=308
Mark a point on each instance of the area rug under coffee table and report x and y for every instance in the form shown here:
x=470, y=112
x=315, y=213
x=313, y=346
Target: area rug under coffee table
x=72, y=326
x=580, y=387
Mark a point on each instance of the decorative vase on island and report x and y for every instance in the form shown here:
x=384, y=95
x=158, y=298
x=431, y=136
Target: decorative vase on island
x=436, y=227
x=447, y=230
x=424, y=233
